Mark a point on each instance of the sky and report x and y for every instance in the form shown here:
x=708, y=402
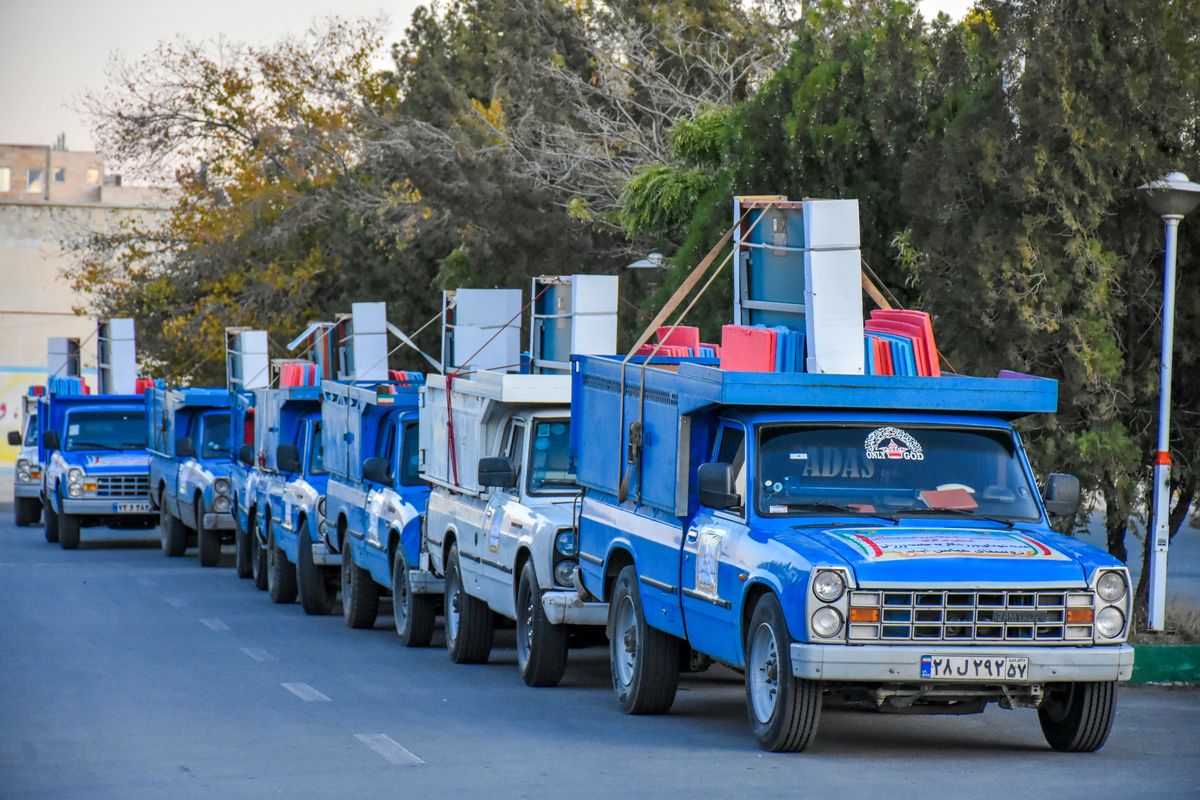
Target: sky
x=54, y=50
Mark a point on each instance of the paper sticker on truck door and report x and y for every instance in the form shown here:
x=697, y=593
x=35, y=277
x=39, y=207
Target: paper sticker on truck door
x=708, y=557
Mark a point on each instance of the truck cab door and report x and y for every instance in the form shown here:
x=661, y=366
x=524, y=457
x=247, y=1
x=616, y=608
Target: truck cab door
x=709, y=572
x=499, y=541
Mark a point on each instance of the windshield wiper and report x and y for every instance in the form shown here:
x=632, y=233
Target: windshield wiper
x=962, y=512
x=94, y=446
x=841, y=509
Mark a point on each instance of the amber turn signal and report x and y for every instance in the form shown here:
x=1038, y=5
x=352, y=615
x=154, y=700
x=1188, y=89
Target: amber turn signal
x=864, y=615
x=1079, y=616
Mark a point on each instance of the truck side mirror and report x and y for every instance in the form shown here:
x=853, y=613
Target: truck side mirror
x=287, y=458
x=375, y=470
x=246, y=455
x=1062, y=495
x=14, y=438
x=716, y=486
x=498, y=471
x=184, y=447
x=50, y=440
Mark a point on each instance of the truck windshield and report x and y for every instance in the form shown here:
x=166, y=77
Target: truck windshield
x=410, y=472
x=31, y=432
x=550, y=457
x=316, y=452
x=891, y=470
x=105, y=430
x=216, y=441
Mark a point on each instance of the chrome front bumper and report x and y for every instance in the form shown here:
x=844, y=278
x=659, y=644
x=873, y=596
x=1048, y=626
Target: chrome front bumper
x=323, y=557
x=214, y=521
x=422, y=581
x=902, y=663
x=566, y=607
x=106, y=507
x=27, y=489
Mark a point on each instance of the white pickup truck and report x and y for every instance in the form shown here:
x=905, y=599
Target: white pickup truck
x=500, y=525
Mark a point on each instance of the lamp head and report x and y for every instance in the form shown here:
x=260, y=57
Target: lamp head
x=1171, y=196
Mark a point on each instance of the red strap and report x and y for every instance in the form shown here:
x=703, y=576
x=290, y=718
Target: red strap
x=1163, y=459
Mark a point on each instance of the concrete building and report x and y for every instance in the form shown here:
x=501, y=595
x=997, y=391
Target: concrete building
x=49, y=195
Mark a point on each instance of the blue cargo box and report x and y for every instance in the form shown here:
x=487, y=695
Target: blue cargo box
x=163, y=409
x=669, y=400
x=352, y=417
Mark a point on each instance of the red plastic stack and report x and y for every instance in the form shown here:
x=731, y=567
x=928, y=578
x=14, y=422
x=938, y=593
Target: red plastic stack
x=297, y=374
x=746, y=349
x=913, y=326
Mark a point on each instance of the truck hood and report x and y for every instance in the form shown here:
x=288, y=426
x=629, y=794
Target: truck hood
x=107, y=461
x=949, y=556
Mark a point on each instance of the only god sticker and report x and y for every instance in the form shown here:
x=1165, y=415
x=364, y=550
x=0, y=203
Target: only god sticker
x=892, y=444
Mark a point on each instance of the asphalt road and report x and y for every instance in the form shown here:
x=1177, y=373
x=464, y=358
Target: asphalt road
x=127, y=675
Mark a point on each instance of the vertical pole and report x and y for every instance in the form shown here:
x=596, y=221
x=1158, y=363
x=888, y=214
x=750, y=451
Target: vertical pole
x=1160, y=527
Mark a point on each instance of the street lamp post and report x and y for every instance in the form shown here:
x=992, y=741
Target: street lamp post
x=1171, y=198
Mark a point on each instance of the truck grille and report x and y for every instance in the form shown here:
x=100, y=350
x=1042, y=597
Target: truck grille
x=123, y=486
x=955, y=616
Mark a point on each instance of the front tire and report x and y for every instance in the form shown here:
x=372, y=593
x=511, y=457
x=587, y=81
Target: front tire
x=541, y=645
x=317, y=595
x=50, y=524
x=258, y=558
x=784, y=711
x=1077, y=717
x=245, y=553
x=26, y=510
x=68, y=531
x=644, y=660
x=360, y=594
x=208, y=543
x=414, y=614
x=281, y=576
x=172, y=534
x=470, y=628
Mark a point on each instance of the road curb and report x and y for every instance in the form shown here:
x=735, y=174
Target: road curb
x=1166, y=663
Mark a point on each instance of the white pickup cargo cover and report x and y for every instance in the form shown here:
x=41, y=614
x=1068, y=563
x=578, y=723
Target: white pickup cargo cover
x=479, y=404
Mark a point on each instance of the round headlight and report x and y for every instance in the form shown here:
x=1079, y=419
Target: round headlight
x=1110, y=622
x=1111, y=587
x=74, y=490
x=564, y=543
x=75, y=475
x=221, y=504
x=221, y=486
x=23, y=463
x=828, y=585
x=826, y=622
x=321, y=506
x=564, y=571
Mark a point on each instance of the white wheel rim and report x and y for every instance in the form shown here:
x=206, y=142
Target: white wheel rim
x=525, y=627
x=625, y=641
x=763, y=673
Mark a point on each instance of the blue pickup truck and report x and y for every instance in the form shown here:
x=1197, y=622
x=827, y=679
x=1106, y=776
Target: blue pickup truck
x=375, y=500
x=96, y=464
x=190, y=460
x=878, y=542
x=242, y=478
x=289, y=480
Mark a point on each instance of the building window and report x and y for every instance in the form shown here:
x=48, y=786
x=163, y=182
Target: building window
x=5, y=179
x=93, y=175
x=60, y=175
x=35, y=181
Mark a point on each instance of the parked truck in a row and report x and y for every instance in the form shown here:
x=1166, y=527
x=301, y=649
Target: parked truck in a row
x=27, y=479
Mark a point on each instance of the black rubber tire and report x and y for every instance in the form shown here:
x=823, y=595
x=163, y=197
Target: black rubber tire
x=208, y=543
x=26, y=511
x=50, y=524
x=471, y=643
x=258, y=558
x=541, y=645
x=360, y=594
x=281, y=575
x=172, y=534
x=654, y=675
x=68, y=531
x=1077, y=717
x=318, y=590
x=793, y=722
x=244, y=552
x=413, y=614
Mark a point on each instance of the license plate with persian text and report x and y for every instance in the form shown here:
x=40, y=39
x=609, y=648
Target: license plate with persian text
x=131, y=508
x=975, y=668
